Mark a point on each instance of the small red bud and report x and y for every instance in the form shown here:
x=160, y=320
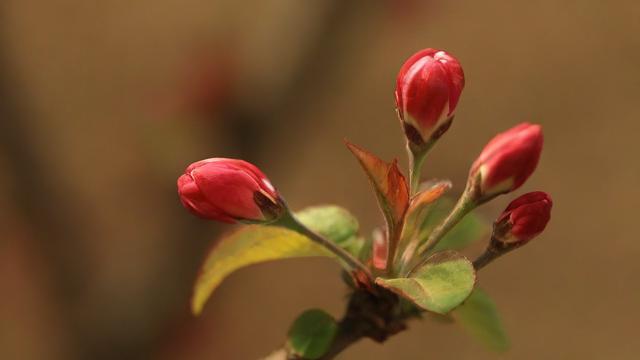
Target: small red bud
x=428, y=88
x=508, y=160
x=524, y=218
x=229, y=190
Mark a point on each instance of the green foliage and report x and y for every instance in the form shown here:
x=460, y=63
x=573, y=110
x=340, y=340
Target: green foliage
x=479, y=316
x=255, y=244
x=470, y=229
x=442, y=283
x=334, y=223
x=312, y=334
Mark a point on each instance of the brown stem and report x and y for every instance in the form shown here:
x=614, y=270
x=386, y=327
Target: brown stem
x=348, y=334
x=488, y=256
x=377, y=315
x=495, y=249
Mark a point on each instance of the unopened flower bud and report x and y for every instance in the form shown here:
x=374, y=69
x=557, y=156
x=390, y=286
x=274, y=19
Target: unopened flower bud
x=508, y=160
x=229, y=190
x=428, y=88
x=524, y=218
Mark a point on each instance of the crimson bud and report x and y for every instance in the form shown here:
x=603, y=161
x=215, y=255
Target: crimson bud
x=428, y=88
x=524, y=218
x=508, y=160
x=229, y=190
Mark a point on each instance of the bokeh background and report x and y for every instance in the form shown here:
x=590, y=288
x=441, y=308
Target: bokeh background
x=103, y=104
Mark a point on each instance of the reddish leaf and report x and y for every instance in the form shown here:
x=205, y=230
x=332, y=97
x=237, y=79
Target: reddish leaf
x=391, y=189
x=379, y=249
x=427, y=197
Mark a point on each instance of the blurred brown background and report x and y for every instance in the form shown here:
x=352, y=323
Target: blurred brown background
x=103, y=104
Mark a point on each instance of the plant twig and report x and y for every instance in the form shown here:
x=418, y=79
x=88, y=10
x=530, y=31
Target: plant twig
x=290, y=222
x=376, y=315
x=416, y=159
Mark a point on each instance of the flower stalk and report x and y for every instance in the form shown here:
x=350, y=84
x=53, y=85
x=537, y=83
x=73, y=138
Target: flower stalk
x=465, y=204
x=488, y=256
x=416, y=160
x=417, y=156
x=288, y=221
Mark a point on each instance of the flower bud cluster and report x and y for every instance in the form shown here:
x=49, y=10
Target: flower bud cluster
x=428, y=89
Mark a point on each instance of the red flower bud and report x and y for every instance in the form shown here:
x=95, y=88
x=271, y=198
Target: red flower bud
x=524, y=218
x=508, y=160
x=427, y=91
x=229, y=190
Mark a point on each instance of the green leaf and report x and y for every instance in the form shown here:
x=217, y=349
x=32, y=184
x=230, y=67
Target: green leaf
x=470, y=229
x=443, y=282
x=312, y=334
x=334, y=223
x=479, y=316
x=254, y=244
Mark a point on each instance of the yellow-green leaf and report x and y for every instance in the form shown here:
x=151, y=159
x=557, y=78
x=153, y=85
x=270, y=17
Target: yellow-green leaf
x=334, y=223
x=254, y=244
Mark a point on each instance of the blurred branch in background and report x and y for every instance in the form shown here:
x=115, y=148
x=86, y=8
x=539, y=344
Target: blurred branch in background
x=39, y=276
x=298, y=68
